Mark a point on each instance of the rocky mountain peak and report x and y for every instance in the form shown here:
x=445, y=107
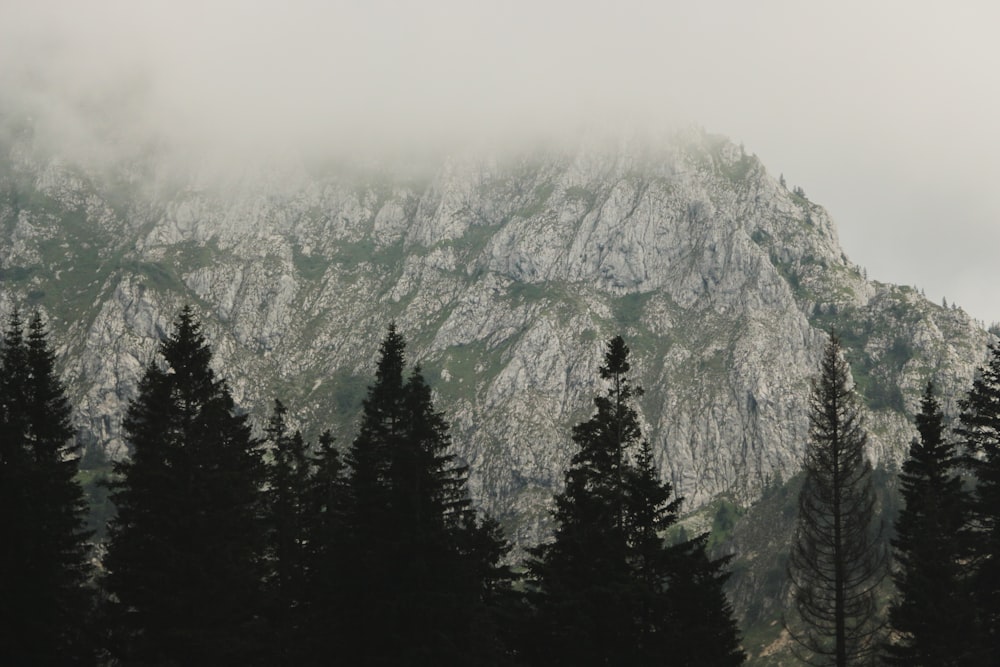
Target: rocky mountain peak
x=506, y=274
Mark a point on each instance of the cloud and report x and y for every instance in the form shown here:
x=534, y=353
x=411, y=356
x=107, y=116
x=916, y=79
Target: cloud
x=884, y=112
x=247, y=75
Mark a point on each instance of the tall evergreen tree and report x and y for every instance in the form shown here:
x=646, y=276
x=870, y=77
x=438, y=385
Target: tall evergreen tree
x=305, y=502
x=609, y=590
x=44, y=553
x=703, y=628
x=931, y=617
x=979, y=430
x=326, y=614
x=184, y=554
x=371, y=552
x=837, y=560
x=288, y=520
x=422, y=565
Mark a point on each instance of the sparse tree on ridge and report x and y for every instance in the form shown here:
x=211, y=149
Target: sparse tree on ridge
x=45, y=599
x=837, y=560
x=931, y=618
x=184, y=560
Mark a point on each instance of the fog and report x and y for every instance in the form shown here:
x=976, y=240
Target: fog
x=885, y=113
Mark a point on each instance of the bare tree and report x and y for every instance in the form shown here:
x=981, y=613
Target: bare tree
x=837, y=558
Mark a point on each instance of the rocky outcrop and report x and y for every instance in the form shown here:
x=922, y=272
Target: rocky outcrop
x=506, y=276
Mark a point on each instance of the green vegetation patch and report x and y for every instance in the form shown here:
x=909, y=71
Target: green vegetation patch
x=192, y=254
x=474, y=240
x=762, y=238
x=468, y=365
x=580, y=194
x=310, y=267
x=158, y=275
x=524, y=292
x=727, y=514
x=472, y=243
x=628, y=310
x=73, y=254
x=875, y=380
x=735, y=172
x=348, y=392
x=17, y=274
x=100, y=509
x=538, y=202
x=358, y=253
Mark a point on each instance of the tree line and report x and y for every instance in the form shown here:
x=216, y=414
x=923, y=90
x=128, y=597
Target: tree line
x=233, y=549
x=228, y=548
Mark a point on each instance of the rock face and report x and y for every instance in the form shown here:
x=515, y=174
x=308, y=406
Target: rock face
x=507, y=276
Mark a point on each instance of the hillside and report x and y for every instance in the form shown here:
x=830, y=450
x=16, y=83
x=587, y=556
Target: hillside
x=506, y=275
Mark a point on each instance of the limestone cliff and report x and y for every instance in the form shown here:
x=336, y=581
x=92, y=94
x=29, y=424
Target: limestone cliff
x=506, y=276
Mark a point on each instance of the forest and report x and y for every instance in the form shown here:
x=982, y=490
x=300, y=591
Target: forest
x=232, y=543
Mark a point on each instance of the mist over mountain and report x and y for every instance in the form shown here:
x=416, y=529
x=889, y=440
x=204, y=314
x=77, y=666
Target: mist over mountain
x=892, y=134
x=511, y=186
x=506, y=272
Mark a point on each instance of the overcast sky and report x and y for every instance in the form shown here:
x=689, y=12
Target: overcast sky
x=884, y=112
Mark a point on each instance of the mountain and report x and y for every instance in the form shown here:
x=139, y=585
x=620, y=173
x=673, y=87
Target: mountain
x=506, y=275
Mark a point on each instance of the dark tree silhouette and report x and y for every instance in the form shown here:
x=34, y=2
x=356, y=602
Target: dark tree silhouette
x=324, y=611
x=184, y=556
x=305, y=498
x=45, y=599
x=422, y=566
x=289, y=527
x=703, y=629
x=931, y=619
x=837, y=559
x=609, y=590
x=979, y=430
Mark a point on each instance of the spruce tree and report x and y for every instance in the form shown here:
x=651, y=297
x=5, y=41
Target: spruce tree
x=979, y=430
x=326, y=614
x=609, y=590
x=931, y=617
x=184, y=559
x=305, y=501
x=423, y=566
x=288, y=522
x=586, y=595
x=371, y=552
x=702, y=629
x=45, y=598
x=837, y=560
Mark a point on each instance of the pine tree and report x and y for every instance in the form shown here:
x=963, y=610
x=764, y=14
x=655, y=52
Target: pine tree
x=980, y=432
x=703, y=630
x=184, y=555
x=305, y=501
x=837, y=560
x=586, y=595
x=44, y=568
x=422, y=565
x=289, y=528
x=326, y=614
x=609, y=590
x=371, y=552
x=931, y=616
x=693, y=622
x=649, y=510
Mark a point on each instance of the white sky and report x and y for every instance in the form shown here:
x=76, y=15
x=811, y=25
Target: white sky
x=884, y=112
